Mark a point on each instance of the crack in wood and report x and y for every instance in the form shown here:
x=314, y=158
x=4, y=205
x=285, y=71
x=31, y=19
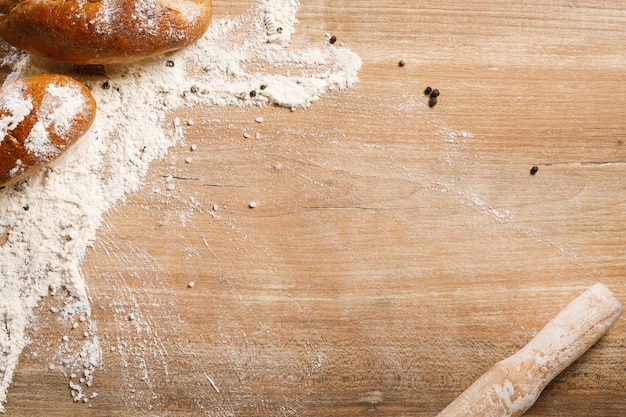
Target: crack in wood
x=596, y=163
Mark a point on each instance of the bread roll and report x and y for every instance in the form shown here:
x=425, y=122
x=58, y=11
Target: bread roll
x=103, y=31
x=40, y=118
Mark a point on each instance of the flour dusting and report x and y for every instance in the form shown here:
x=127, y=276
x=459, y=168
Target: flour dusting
x=48, y=220
x=16, y=106
x=70, y=103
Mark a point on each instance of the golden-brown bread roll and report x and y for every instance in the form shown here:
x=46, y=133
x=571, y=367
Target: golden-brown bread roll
x=40, y=118
x=103, y=31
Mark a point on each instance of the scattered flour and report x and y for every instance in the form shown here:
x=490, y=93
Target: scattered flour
x=48, y=220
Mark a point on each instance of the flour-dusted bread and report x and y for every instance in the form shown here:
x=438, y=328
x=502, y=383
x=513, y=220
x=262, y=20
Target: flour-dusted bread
x=41, y=117
x=103, y=31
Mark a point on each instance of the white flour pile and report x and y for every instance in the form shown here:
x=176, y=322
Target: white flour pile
x=48, y=221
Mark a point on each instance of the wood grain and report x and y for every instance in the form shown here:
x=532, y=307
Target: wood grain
x=396, y=252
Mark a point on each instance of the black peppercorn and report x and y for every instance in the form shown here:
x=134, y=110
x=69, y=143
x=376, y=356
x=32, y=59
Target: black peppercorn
x=332, y=39
x=428, y=90
x=401, y=63
x=106, y=85
x=534, y=170
x=252, y=93
x=432, y=102
x=169, y=64
x=434, y=93
x=263, y=86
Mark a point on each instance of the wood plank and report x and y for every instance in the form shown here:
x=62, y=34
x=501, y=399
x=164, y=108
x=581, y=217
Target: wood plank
x=396, y=251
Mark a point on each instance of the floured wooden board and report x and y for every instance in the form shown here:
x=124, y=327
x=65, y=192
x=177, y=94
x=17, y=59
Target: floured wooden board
x=393, y=252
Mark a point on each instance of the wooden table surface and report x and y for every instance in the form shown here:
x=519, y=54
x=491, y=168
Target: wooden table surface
x=396, y=251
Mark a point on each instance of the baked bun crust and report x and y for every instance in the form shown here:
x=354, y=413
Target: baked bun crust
x=41, y=117
x=103, y=31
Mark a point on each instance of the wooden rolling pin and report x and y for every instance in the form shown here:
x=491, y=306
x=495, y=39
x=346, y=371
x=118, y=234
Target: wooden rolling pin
x=513, y=385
